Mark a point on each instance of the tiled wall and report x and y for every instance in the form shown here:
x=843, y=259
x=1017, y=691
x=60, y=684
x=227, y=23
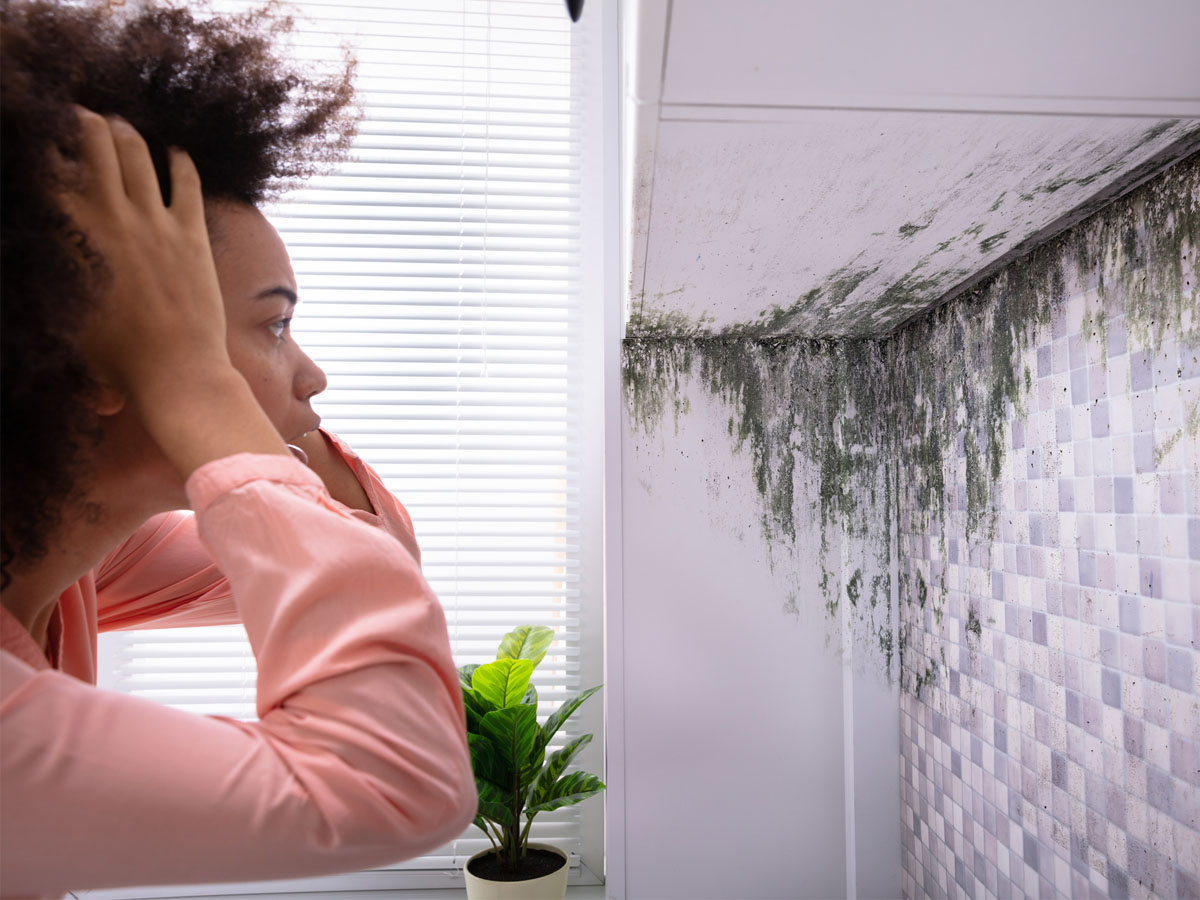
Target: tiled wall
x=1054, y=749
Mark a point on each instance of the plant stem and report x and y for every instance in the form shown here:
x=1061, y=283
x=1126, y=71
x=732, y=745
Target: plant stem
x=525, y=833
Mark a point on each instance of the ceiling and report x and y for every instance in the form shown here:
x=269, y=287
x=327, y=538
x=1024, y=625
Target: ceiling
x=839, y=168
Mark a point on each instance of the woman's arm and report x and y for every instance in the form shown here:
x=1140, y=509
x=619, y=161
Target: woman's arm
x=359, y=757
x=164, y=577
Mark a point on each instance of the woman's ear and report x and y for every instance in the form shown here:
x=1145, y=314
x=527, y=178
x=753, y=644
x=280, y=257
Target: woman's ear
x=107, y=400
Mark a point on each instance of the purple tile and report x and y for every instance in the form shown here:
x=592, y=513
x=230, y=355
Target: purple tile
x=1130, y=615
x=1109, y=648
x=1066, y=494
x=1143, y=412
x=1126, y=534
x=1028, y=695
x=1187, y=884
x=1170, y=492
x=1115, y=808
x=1018, y=433
x=1062, y=425
x=1077, y=350
x=1185, y=758
x=1097, y=383
x=1079, y=387
x=1074, y=708
x=1150, y=577
x=1110, y=687
x=1135, y=736
x=1150, y=867
x=1044, y=362
x=1039, y=628
x=1154, y=660
x=1143, y=453
x=1058, y=321
x=1100, y=422
x=1035, y=529
x=1033, y=464
x=1030, y=851
x=1087, y=569
x=1179, y=668
x=1123, y=494
x=1116, y=338
x=1141, y=371
x=1189, y=362
x=1194, y=538
x=1118, y=883
x=1158, y=789
x=1102, y=489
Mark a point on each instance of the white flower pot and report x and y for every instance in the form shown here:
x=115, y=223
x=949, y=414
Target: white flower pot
x=547, y=887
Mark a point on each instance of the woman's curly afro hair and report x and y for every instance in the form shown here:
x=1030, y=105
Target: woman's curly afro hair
x=221, y=88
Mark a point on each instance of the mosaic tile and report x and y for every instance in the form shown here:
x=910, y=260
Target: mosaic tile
x=1057, y=754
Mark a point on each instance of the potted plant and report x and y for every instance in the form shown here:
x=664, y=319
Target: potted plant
x=515, y=777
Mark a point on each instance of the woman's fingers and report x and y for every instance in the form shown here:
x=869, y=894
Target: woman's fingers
x=98, y=154
x=186, y=200
x=137, y=169
x=117, y=163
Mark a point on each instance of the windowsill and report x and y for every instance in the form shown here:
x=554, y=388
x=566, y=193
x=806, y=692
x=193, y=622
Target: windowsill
x=574, y=892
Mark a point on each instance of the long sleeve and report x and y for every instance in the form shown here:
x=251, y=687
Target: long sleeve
x=164, y=577
x=359, y=756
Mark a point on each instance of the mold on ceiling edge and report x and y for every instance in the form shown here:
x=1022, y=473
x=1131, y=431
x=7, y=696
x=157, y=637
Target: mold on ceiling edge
x=1124, y=184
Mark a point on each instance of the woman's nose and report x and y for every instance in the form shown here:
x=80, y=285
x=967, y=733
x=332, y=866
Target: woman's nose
x=310, y=378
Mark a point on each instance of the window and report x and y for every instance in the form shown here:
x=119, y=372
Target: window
x=448, y=280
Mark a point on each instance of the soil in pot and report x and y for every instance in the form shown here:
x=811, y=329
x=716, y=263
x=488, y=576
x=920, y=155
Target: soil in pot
x=536, y=864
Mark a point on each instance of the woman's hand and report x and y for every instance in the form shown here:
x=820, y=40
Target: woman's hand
x=159, y=334
x=162, y=316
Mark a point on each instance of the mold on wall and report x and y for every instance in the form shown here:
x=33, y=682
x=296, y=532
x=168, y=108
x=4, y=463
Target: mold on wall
x=1026, y=459
x=846, y=224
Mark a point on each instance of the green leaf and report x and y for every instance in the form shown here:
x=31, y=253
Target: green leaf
x=514, y=731
x=526, y=642
x=561, y=715
x=492, y=803
x=530, y=696
x=555, y=766
x=464, y=674
x=476, y=708
x=503, y=683
x=483, y=757
x=568, y=791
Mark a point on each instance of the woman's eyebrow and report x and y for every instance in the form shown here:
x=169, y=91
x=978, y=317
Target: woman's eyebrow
x=278, y=291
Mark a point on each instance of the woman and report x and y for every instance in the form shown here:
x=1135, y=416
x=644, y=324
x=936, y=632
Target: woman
x=140, y=376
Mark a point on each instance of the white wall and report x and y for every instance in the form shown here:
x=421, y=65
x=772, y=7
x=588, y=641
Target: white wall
x=734, y=739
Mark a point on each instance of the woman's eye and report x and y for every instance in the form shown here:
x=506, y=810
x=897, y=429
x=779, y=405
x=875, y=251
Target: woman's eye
x=279, y=327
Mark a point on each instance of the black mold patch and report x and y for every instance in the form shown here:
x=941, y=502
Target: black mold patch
x=907, y=432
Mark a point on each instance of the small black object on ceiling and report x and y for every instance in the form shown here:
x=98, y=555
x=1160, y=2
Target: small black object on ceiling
x=574, y=9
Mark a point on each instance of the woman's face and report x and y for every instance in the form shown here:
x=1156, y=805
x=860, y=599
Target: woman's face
x=259, y=289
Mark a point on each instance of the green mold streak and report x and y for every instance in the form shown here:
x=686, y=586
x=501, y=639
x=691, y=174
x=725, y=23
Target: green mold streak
x=828, y=297
x=989, y=242
x=908, y=229
x=974, y=626
x=913, y=424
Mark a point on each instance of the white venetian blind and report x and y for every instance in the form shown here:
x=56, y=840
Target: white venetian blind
x=439, y=274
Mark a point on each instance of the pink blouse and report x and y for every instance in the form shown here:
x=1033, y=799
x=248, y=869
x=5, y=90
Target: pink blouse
x=358, y=757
